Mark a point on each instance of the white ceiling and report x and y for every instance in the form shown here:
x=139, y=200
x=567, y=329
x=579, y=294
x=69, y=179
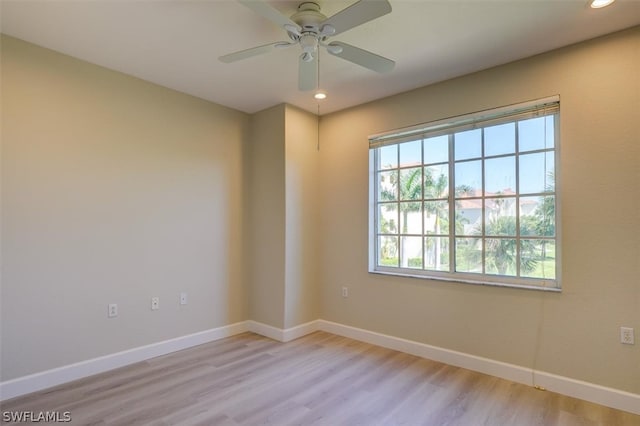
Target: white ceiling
x=176, y=43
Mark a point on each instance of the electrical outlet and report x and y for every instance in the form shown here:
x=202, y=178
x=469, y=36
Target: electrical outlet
x=155, y=303
x=183, y=298
x=626, y=336
x=345, y=291
x=112, y=312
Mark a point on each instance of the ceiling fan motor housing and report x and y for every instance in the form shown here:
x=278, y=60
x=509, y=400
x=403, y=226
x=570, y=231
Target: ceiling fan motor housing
x=309, y=17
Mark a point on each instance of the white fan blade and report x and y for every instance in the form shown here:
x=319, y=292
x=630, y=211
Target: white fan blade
x=362, y=57
x=307, y=74
x=267, y=11
x=357, y=14
x=254, y=51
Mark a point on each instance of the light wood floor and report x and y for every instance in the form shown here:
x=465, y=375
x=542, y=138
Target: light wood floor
x=319, y=379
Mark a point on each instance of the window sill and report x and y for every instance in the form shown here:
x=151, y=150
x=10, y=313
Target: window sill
x=466, y=281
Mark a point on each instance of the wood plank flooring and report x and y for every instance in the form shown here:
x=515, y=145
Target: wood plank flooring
x=319, y=379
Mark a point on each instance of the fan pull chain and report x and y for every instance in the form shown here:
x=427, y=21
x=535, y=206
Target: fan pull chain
x=318, y=129
x=318, y=116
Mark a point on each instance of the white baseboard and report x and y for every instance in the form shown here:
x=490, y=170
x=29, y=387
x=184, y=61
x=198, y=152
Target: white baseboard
x=602, y=395
x=266, y=330
x=459, y=359
x=49, y=378
x=283, y=335
x=301, y=330
x=609, y=397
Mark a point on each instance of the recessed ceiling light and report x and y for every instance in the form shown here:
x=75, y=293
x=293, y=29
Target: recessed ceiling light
x=319, y=95
x=597, y=4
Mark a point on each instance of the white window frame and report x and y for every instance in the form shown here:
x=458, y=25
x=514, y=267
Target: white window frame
x=481, y=119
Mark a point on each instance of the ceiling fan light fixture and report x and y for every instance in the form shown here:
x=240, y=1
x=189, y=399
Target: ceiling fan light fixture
x=309, y=43
x=320, y=95
x=597, y=4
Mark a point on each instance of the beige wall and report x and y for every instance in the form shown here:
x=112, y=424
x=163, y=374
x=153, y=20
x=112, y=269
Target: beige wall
x=114, y=190
x=574, y=333
x=266, y=231
x=302, y=299
x=282, y=237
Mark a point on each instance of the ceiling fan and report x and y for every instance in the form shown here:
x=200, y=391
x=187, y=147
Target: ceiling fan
x=310, y=29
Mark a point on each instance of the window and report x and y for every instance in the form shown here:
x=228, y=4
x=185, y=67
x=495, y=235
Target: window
x=471, y=198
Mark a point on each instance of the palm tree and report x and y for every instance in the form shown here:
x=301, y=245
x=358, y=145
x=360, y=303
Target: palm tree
x=435, y=189
x=546, y=210
x=407, y=184
x=502, y=253
x=410, y=188
x=545, y=215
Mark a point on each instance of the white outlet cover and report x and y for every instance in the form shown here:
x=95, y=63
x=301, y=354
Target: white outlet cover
x=626, y=336
x=155, y=303
x=183, y=298
x=112, y=311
